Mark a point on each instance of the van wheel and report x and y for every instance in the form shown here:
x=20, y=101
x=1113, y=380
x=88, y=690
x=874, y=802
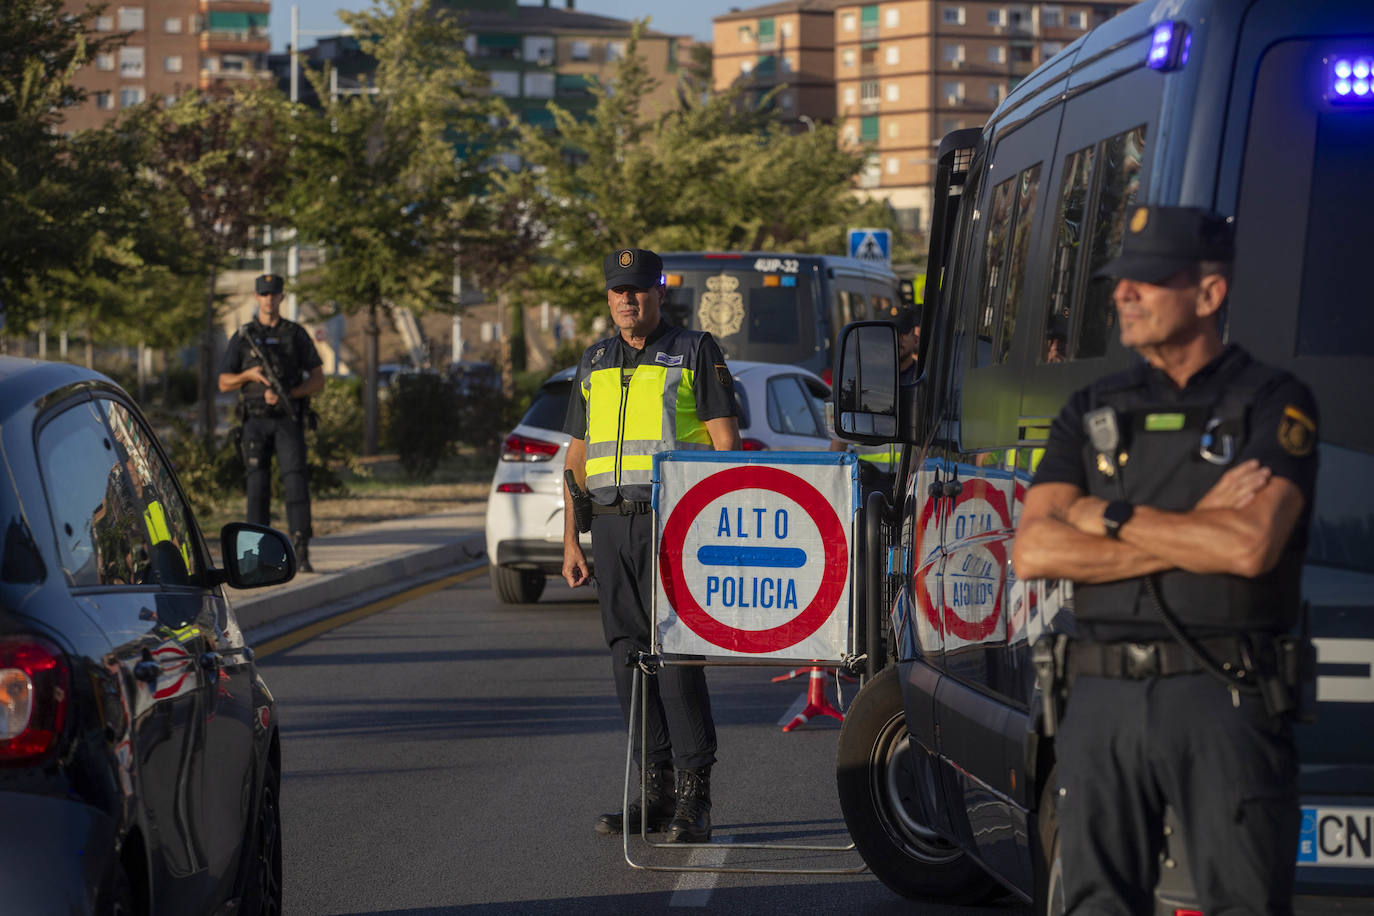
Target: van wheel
x=884, y=820
x=263, y=896
x=118, y=897
x=1052, y=901
x=517, y=586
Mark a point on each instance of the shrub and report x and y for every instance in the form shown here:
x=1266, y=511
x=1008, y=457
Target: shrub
x=208, y=475
x=338, y=437
x=423, y=420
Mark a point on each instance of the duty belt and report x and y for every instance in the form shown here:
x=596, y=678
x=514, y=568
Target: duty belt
x=624, y=507
x=1148, y=659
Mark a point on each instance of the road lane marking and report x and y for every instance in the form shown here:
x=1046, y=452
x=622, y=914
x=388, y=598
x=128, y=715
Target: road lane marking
x=296, y=637
x=694, y=888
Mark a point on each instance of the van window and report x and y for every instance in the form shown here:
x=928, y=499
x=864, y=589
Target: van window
x=1101, y=182
x=1009, y=225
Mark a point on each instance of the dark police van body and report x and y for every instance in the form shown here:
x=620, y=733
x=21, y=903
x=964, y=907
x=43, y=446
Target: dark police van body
x=776, y=308
x=945, y=766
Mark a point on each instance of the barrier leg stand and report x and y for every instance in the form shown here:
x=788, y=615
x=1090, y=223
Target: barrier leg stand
x=639, y=701
x=816, y=703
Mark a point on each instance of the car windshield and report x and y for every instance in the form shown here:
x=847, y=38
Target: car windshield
x=550, y=407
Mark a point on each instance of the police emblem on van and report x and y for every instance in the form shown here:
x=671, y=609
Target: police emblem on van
x=722, y=309
x=667, y=360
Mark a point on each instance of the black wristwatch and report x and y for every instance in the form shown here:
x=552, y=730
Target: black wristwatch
x=1117, y=513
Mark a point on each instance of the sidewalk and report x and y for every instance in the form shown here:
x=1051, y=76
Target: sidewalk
x=357, y=567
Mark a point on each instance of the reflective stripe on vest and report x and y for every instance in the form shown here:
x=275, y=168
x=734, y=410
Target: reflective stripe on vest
x=627, y=424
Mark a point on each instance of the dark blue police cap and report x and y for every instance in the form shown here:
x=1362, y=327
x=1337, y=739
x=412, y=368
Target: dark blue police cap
x=1161, y=241
x=632, y=267
x=269, y=284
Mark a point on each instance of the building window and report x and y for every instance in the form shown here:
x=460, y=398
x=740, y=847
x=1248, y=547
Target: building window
x=130, y=96
x=954, y=93
x=954, y=15
x=892, y=129
x=954, y=54
x=786, y=29
x=746, y=35
x=768, y=37
x=581, y=50
x=615, y=50
x=104, y=61
x=849, y=22
x=172, y=63
x=746, y=67
x=997, y=54
x=892, y=17
x=872, y=175
x=997, y=17
x=789, y=99
x=868, y=129
x=892, y=92
x=868, y=94
x=539, y=49
x=130, y=18
x=104, y=101
x=868, y=21
x=170, y=98
x=172, y=25
x=851, y=136
x=849, y=96
x=893, y=164
x=1050, y=48
x=130, y=62
x=104, y=23
x=994, y=92
x=847, y=57
x=868, y=57
x=1078, y=20
x=1021, y=54
x=1051, y=17
x=539, y=85
x=788, y=63
x=892, y=54
x=505, y=83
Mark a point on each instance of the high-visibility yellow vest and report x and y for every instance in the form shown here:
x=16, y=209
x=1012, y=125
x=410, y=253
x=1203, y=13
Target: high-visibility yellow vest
x=633, y=413
x=882, y=457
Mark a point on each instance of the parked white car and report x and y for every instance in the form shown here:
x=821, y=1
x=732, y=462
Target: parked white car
x=780, y=407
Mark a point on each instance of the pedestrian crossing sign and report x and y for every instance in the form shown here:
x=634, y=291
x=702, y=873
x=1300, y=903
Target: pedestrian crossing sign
x=871, y=245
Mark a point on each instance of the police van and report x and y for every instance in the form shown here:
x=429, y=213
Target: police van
x=1259, y=108
x=776, y=308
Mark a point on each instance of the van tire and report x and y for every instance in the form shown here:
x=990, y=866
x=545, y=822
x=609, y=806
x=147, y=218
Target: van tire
x=887, y=830
x=517, y=586
x=1050, y=885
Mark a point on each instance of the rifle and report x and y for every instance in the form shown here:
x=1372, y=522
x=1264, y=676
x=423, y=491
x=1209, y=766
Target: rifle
x=273, y=380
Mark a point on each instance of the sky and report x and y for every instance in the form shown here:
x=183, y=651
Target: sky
x=672, y=16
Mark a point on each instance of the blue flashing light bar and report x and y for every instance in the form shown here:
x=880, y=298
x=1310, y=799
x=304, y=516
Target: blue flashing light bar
x=1350, y=78
x=1169, y=45
x=789, y=281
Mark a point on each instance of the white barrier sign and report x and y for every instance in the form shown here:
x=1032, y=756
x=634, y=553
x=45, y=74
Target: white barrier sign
x=754, y=559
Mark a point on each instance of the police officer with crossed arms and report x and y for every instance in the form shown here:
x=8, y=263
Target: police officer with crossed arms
x=269, y=425
x=1176, y=496
x=649, y=388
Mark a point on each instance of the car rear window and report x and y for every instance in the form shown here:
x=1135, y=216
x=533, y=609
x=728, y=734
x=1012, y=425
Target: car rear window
x=550, y=406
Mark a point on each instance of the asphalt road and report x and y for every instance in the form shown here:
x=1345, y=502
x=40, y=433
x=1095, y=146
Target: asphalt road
x=450, y=755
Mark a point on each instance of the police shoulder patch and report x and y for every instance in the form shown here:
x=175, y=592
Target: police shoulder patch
x=723, y=376
x=1297, y=432
x=1140, y=219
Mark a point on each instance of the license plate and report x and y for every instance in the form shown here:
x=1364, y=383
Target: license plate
x=1336, y=837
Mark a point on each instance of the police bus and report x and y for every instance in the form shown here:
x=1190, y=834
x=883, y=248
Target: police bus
x=776, y=308
x=1259, y=108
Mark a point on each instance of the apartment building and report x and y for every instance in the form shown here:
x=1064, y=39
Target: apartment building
x=172, y=46
x=790, y=44
x=907, y=72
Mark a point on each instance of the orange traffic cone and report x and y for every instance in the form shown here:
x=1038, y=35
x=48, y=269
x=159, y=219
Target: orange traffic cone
x=816, y=703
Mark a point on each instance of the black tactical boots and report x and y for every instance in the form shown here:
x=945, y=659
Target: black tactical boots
x=301, y=544
x=691, y=821
x=658, y=793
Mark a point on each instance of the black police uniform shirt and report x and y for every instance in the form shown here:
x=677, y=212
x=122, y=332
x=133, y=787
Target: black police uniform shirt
x=286, y=344
x=711, y=381
x=1281, y=434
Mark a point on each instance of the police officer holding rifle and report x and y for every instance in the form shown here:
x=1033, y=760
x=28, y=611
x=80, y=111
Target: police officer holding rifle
x=273, y=364
x=1176, y=496
x=648, y=389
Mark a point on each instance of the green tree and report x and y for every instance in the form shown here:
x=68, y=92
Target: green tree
x=223, y=158
x=386, y=181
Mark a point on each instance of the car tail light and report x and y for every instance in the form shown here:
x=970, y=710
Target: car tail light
x=34, y=693
x=828, y=375
x=524, y=448
x=753, y=445
x=514, y=488
x=1183, y=912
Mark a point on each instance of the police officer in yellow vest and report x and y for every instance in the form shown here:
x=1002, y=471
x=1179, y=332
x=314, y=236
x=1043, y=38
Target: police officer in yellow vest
x=649, y=388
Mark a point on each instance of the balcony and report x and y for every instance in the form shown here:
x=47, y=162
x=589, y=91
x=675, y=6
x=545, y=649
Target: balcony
x=240, y=41
x=262, y=7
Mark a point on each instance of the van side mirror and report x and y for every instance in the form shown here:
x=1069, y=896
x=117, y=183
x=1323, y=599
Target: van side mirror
x=255, y=555
x=866, y=382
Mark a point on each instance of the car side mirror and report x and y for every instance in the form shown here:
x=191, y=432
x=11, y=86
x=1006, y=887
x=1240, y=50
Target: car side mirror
x=255, y=555
x=865, y=376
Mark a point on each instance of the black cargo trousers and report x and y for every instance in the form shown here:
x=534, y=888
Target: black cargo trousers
x=1127, y=747
x=264, y=436
x=679, y=725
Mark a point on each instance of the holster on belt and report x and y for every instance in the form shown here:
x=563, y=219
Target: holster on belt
x=1048, y=656
x=581, y=503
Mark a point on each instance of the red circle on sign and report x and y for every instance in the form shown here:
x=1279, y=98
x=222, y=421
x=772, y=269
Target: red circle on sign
x=817, y=508
x=978, y=630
